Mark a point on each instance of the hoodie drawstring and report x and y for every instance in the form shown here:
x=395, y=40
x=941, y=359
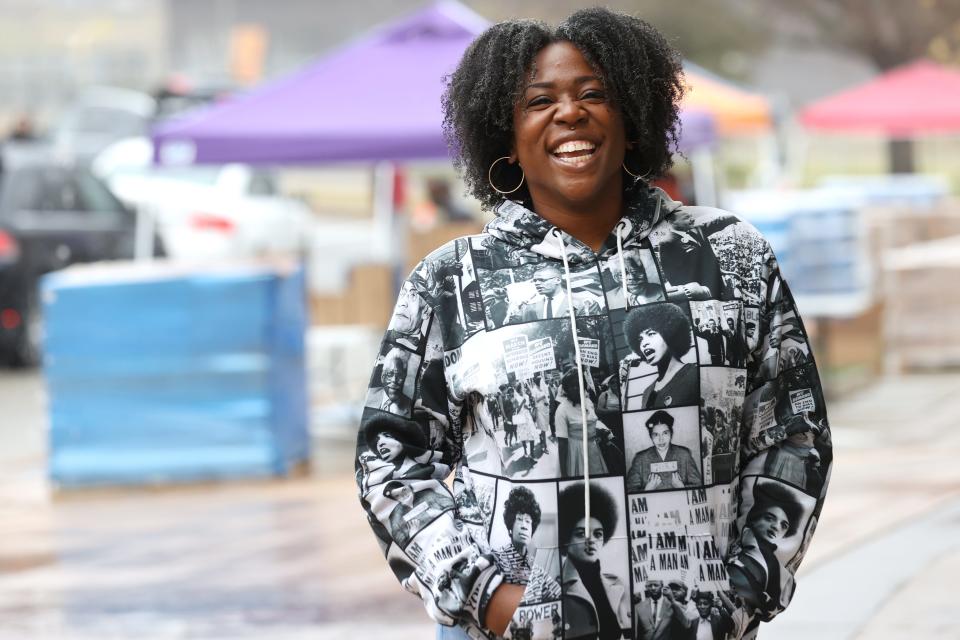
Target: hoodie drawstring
x=623, y=267
x=583, y=393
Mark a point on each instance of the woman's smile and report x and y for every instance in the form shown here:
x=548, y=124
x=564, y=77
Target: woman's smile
x=575, y=153
x=569, y=136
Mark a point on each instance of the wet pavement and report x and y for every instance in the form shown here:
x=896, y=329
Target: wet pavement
x=294, y=559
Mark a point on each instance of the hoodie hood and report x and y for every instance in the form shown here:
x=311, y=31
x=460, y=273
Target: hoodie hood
x=644, y=207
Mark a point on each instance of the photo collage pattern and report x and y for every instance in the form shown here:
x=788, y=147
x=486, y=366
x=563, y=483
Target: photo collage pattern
x=705, y=440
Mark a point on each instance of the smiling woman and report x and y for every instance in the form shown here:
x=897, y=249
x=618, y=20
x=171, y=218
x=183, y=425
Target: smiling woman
x=586, y=277
x=572, y=110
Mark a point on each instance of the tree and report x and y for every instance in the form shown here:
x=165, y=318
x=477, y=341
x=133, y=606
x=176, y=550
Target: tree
x=720, y=35
x=886, y=33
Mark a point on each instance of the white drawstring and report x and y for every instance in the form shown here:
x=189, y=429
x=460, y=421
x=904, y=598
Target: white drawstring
x=583, y=394
x=623, y=268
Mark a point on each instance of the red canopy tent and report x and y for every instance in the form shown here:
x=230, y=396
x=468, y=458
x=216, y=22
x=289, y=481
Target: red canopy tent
x=922, y=97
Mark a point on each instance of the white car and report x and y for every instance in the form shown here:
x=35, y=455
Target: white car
x=206, y=212
x=99, y=117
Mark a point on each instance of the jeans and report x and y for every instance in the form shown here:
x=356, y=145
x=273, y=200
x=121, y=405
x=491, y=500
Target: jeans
x=451, y=633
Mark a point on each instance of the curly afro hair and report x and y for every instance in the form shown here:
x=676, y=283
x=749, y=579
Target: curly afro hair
x=521, y=500
x=640, y=70
x=666, y=319
x=774, y=494
x=570, y=510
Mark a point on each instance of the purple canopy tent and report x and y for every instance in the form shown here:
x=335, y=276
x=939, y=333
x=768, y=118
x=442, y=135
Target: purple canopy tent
x=373, y=100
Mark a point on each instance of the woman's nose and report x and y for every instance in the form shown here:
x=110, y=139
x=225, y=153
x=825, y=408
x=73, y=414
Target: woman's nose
x=569, y=112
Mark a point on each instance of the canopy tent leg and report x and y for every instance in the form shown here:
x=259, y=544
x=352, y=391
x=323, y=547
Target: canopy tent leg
x=386, y=223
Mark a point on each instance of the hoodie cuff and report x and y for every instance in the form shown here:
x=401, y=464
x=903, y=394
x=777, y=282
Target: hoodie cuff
x=481, y=593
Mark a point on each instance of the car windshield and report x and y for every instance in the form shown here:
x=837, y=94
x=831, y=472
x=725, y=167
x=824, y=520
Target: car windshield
x=196, y=175
x=106, y=120
x=54, y=189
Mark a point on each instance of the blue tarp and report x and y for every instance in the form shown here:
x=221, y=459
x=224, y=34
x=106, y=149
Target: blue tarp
x=173, y=377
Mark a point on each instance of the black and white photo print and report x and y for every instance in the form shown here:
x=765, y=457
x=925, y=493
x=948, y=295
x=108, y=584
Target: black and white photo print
x=662, y=370
x=663, y=449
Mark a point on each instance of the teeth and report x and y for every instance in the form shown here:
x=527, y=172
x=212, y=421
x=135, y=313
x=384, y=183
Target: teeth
x=575, y=145
x=575, y=161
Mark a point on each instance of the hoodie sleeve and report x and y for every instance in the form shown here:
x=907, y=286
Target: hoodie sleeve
x=785, y=450
x=407, y=443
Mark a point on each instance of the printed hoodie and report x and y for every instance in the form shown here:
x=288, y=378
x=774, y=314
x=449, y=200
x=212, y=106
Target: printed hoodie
x=626, y=429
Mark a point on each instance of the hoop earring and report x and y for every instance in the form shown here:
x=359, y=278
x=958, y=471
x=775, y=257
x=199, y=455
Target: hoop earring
x=523, y=177
x=642, y=177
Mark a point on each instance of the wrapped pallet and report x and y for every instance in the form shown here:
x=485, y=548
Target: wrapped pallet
x=166, y=374
x=922, y=304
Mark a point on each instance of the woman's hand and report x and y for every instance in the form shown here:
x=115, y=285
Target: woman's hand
x=503, y=604
x=675, y=480
x=653, y=482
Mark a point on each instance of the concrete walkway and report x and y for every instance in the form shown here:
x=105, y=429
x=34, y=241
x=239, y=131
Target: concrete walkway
x=294, y=560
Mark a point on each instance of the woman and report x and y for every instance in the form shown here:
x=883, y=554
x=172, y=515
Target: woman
x=646, y=474
x=757, y=574
x=523, y=420
x=569, y=418
x=396, y=446
x=595, y=603
x=555, y=130
x=660, y=335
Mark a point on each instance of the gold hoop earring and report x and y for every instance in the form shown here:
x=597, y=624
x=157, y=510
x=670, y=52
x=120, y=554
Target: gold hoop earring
x=523, y=177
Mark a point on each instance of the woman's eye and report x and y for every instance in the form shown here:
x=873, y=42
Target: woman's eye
x=539, y=101
x=594, y=94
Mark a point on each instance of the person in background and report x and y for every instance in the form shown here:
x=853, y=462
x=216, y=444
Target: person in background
x=438, y=190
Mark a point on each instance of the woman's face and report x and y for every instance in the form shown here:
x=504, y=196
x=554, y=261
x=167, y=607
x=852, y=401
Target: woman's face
x=771, y=524
x=522, y=530
x=661, y=435
x=388, y=448
x=580, y=547
x=653, y=348
x=569, y=138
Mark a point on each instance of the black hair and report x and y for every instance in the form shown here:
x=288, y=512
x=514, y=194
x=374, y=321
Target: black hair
x=521, y=500
x=571, y=386
x=774, y=494
x=641, y=72
x=659, y=417
x=570, y=510
x=666, y=319
x=407, y=432
x=390, y=487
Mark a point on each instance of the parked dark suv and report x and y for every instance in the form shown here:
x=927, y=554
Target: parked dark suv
x=51, y=216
